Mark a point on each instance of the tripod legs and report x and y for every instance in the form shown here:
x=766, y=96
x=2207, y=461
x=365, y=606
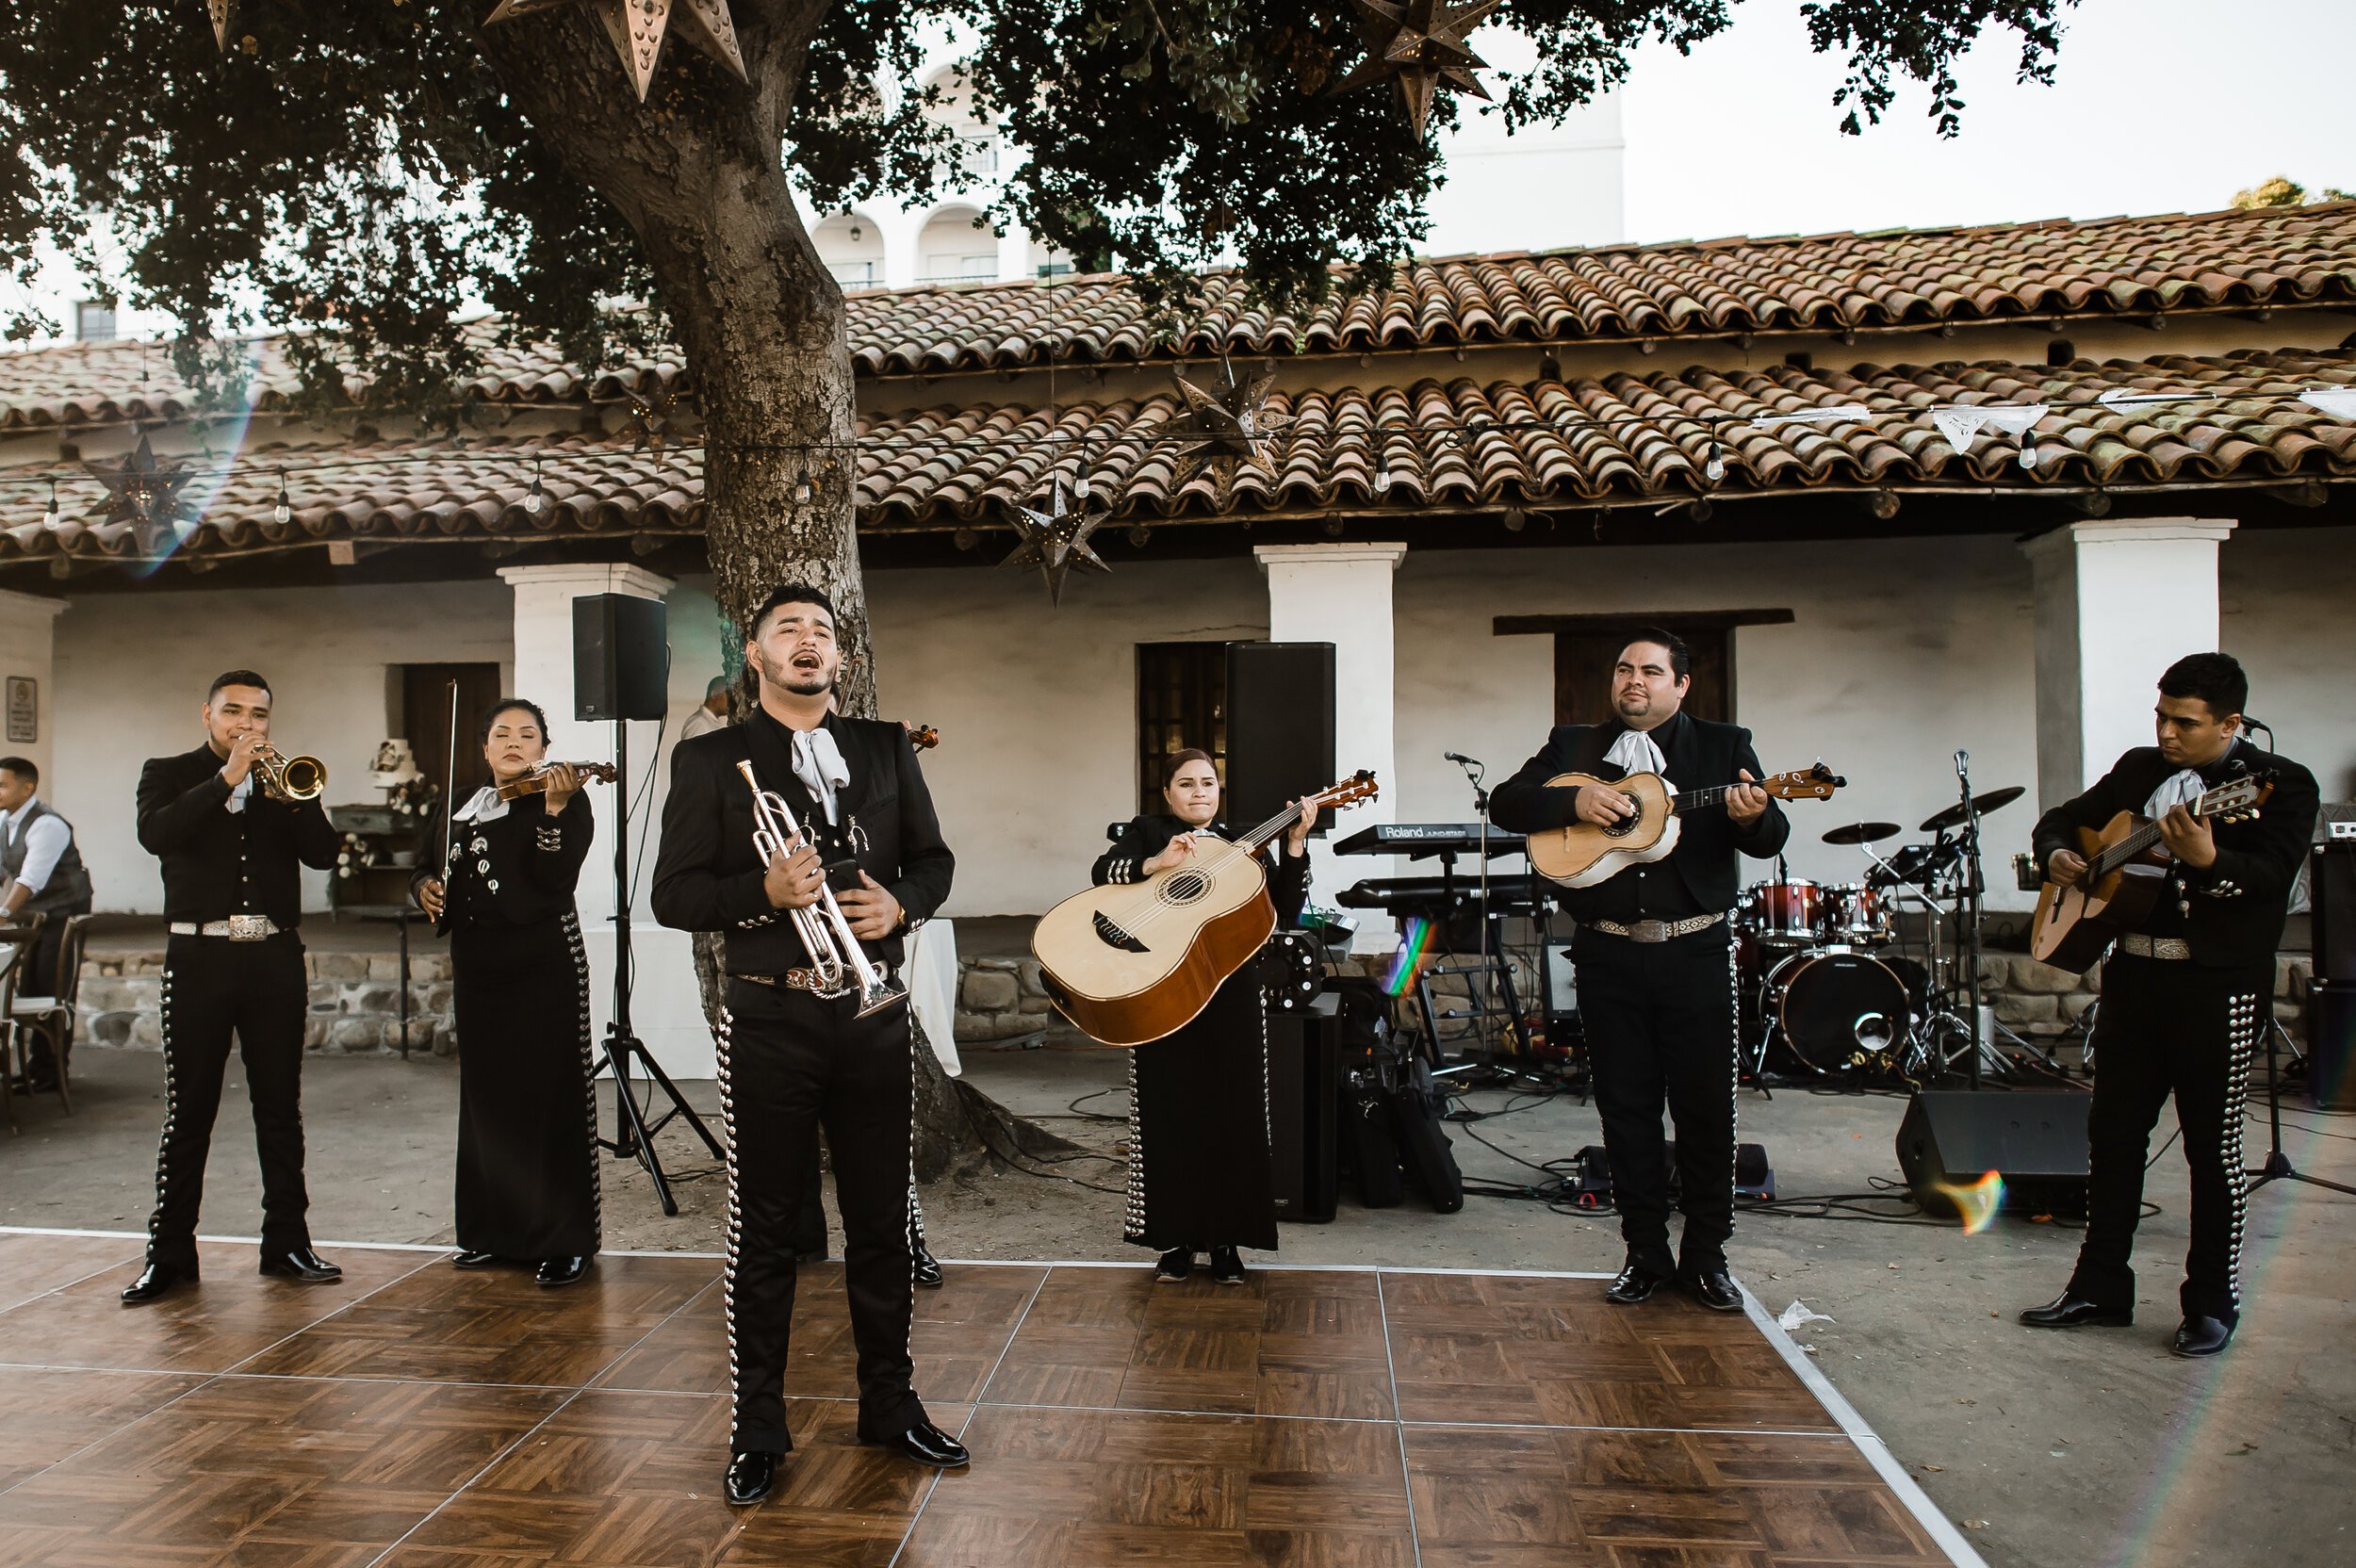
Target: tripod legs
x=2277, y=1167
x=633, y=1133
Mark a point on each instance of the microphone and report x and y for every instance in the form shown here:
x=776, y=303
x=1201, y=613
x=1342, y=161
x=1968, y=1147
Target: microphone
x=1461, y=760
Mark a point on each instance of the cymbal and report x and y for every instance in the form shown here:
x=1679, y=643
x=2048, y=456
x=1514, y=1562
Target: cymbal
x=1995, y=800
x=1862, y=833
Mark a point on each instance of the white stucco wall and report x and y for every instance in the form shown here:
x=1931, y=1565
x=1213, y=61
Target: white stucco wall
x=132, y=669
x=2287, y=600
x=1900, y=652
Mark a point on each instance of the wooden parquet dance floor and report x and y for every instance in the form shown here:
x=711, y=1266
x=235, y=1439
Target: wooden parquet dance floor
x=418, y=1416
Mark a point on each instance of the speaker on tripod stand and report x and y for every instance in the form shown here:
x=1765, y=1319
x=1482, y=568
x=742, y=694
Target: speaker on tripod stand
x=621, y=671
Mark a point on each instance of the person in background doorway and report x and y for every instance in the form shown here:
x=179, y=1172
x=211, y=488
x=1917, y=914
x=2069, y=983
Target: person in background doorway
x=46, y=878
x=712, y=716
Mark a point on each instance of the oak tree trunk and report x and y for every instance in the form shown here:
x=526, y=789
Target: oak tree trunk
x=696, y=173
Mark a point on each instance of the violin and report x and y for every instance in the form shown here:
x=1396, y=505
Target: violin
x=922, y=737
x=536, y=781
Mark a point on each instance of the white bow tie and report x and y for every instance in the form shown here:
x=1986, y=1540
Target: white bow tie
x=1634, y=751
x=818, y=763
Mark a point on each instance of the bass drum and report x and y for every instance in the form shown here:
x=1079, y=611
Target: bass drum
x=1833, y=1008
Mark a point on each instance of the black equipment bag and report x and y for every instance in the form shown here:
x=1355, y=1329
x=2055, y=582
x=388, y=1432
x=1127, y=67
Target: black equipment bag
x=1372, y=1143
x=1416, y=1106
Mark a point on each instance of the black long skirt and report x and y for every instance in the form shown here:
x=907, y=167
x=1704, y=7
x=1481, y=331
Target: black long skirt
x=527, y=1098
x=1198, y=1131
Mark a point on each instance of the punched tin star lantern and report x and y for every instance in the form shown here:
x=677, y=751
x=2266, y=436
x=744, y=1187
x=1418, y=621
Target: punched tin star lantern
x=1231, y=423
x=1055, y=540
x=1419, y=46
x=656, y=418
x=144, y=492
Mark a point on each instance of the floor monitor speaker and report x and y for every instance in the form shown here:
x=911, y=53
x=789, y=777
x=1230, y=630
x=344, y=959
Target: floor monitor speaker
x=2035, y=1140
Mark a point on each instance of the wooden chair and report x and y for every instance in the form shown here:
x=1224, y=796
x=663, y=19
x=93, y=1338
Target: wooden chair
x=11, y=963
x=50, y=1013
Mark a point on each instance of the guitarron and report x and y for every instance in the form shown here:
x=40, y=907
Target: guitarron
x=2125, y=871
x=1585, y=853
x=1131, y=962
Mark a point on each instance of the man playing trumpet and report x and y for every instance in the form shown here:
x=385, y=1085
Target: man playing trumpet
x=231, y=840
x=800, y=1045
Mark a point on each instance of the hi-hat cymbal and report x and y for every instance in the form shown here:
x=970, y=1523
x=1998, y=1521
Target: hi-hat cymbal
x=1862, y=833
x=1995, y=800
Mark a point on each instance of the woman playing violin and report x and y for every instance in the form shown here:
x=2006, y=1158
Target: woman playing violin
x=527, y=1114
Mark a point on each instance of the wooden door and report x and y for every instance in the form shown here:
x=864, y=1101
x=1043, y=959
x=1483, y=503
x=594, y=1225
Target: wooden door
x=1583, y=671
x=425, y=717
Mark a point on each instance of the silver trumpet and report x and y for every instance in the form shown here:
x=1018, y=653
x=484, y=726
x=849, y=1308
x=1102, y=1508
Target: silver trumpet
x=835, y=954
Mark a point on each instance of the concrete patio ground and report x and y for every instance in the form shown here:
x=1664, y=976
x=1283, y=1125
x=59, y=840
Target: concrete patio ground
x=2095, y=1448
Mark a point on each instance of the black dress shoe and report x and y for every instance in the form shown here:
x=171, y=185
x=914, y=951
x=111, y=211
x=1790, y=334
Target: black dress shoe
x=1713, y=1288
x=1632, y=1285
x=1175, y=1265
x=301, y=1264
x=2201, y=1336
x=1226, y=1268
x=156, y=1279
x=563, y=1272
x=474, y=1259
x=752, y=1475
x=923, y=1443
x=2069, y=1311
x=927, y=1267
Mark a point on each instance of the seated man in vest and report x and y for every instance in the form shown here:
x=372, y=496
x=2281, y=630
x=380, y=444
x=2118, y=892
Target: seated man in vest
x=46, y=877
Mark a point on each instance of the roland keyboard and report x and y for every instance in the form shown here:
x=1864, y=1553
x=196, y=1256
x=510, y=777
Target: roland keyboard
x=1419, y=841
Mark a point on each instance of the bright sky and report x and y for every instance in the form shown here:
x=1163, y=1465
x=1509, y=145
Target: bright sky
x=2159, y=105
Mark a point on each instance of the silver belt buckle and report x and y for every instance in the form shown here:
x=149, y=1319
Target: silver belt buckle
x=249, y=928
x=1649, y=931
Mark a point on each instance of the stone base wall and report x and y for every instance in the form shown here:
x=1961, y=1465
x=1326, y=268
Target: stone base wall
x=354, y=1008
x=2035, y=999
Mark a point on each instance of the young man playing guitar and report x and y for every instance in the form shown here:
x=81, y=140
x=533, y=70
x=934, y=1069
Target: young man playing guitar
x=1656, y=961
x=2186, y=998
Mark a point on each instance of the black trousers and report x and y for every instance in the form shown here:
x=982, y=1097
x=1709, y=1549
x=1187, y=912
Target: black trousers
x=790, y=1064
x=1659, y=1020
x=257, y=992
x=2170, y=1026
x=810, y=1226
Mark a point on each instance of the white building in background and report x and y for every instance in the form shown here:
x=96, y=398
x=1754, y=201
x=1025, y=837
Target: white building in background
x=1545, y=189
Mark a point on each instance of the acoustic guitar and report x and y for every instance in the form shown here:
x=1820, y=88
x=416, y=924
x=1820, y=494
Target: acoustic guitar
x=1585, y=853
x=2125, y=871
x=1131, y=962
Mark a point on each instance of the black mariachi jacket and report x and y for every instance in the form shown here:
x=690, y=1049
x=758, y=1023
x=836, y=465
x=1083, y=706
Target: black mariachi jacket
x=518, y=869
x=2239, y=902
x=708, y=877
x=1147, y=836
x=219, y=862
x=1701, y=754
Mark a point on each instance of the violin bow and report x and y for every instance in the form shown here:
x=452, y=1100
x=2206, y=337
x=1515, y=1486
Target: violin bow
x=450, y=783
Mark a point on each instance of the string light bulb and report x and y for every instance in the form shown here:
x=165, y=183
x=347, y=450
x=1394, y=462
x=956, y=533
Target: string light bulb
x=1381, y=474
x=1714, y=467
x=2030, y=457
x=532, y=500
x=802, y=491
x=284, y=511
x=49, y=518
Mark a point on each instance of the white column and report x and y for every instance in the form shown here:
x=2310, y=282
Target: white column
x=29, y=634
x=2117, y=603
x=1341, y=593
x=665, y=1011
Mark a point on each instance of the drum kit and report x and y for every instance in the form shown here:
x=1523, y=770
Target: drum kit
x=1836, y=984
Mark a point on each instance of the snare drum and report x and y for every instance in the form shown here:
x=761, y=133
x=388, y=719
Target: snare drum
x=1782, y=914
x=1855, y=915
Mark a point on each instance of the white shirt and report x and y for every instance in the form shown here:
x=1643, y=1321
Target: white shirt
x=238, y=796
x=703, y=721
x=45, y=841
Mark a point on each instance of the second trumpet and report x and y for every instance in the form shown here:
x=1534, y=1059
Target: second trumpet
x=836, y=957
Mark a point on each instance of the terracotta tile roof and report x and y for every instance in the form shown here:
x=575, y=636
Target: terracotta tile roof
x=1830, y=282
x=1446, y=446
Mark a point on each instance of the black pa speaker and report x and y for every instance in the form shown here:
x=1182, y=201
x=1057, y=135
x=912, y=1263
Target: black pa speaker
x=1280, y=728
x=2034, y=1139
x=2332, y=1044
x=621, y=658
x=2331, y=896
x=1303, y=1095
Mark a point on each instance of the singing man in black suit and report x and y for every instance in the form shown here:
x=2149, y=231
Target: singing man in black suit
x=794, y=1054
x=1656, y=961
x=2186, y=1000
x=233, y=964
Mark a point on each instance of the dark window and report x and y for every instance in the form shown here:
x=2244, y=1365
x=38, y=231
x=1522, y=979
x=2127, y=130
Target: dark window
x=1182, y=704
x=1797, y=361
x=425, y=717
x=2060, y=351
x=1582, y=672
